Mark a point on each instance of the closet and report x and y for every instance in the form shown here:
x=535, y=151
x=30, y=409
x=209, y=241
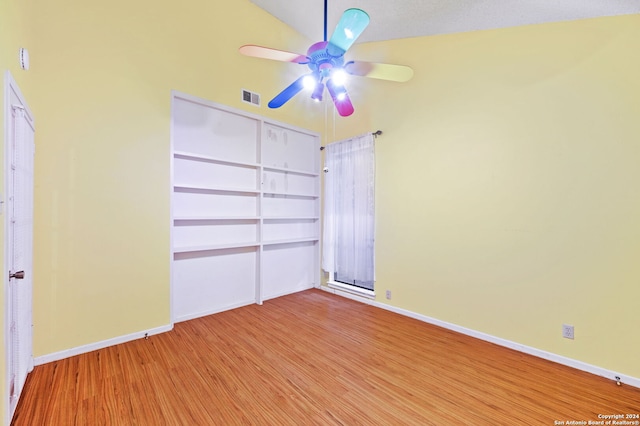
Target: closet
x=245, y=208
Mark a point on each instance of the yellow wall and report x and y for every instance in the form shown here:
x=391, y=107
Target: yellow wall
x=104, y=72
x=507, y=184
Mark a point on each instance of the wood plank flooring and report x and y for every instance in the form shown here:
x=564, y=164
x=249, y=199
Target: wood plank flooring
x=313, y=358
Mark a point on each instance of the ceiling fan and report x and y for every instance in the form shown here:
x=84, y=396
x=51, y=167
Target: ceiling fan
x=326, y=61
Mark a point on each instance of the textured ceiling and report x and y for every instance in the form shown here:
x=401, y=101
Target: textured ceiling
x=392, y=19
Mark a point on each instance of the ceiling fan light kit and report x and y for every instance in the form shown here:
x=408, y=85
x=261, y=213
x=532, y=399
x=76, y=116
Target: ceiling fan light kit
x=326, y=61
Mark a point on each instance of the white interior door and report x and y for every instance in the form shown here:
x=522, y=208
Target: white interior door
x=19, y=151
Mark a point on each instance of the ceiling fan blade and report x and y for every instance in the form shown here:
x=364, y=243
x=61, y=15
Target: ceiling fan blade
x=288, y=93
x=273, y=54
x=400, y=73
x=351, y=25
x=340, y=99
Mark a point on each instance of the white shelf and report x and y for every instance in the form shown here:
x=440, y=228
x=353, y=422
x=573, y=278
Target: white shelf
x=290, y=241
x=218, y=189
x=210, y=247
x=289, y=194
x=297, y=172
x=291, y=218
x=196, y=156
x=213, y=218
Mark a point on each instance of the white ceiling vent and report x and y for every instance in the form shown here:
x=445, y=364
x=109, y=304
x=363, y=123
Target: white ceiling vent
x=250, y=97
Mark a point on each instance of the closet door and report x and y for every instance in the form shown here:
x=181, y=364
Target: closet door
x=20, y=149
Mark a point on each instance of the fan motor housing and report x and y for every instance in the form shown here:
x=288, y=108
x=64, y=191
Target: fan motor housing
x=321, y=61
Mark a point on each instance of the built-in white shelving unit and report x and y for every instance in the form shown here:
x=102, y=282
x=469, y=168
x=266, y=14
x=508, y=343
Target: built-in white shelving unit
x=245, y=208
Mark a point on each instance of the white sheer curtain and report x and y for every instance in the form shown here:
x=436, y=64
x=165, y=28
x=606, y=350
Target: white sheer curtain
x=348, y=233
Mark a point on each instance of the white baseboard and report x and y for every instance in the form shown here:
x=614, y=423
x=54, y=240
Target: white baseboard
x=579, y=365
x=56, y=356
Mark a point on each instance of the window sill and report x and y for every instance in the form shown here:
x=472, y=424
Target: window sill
x=369, y=294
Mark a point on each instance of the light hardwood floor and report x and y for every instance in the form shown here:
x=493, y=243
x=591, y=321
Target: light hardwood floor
x=313, y=358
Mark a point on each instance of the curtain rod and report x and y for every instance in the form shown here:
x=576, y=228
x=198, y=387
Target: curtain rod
x=375, y=135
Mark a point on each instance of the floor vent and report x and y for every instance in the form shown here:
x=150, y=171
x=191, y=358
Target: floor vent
x=250, y=97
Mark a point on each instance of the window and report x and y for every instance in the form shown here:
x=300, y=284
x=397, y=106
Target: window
x=348, y=234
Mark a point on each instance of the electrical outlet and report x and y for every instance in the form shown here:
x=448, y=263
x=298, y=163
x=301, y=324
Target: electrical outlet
x=567, y=331
x=388, y=294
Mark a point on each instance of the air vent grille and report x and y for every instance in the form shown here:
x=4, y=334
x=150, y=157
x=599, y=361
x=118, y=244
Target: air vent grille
x=250, y=97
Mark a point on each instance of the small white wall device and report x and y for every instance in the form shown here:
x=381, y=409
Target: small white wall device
x=24, y=59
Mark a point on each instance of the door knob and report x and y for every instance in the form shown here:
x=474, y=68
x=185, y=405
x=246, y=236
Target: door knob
x=18, y=275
